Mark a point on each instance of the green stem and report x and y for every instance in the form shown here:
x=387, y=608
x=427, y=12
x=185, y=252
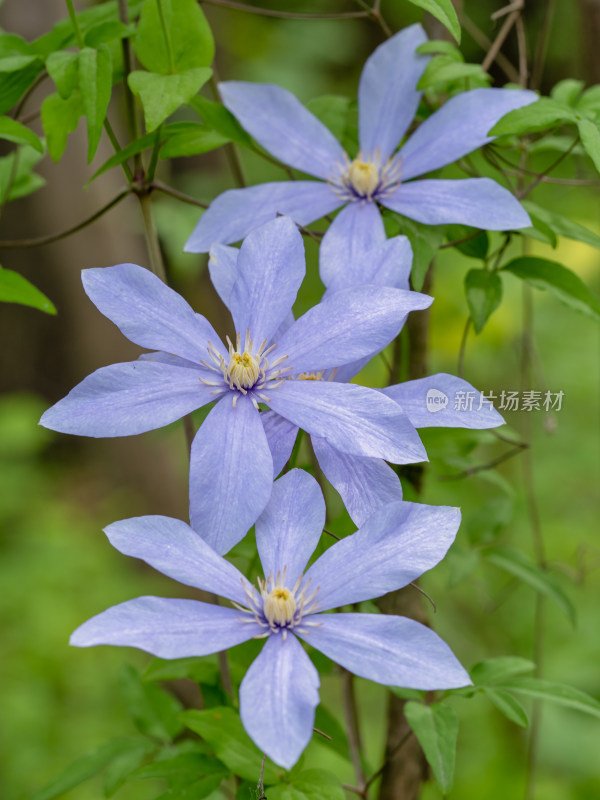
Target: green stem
x=75, y=23
x=132, y=120
x=156, y=260
x=154, y=157
x=294, y=457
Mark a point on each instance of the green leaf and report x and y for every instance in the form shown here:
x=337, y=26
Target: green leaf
x=425, y=241
x=173, y=36
x=563, y=226
x=161, y=95
x=222, y=728
x=476, y=246
x=95, y=82
x=326, y=722
x=197, y=764
x=436, y=728
x=332, y=110
x=538, y=116
x=198, y=669
x=443, y=10
x=221, y=120
x=590, y=100
x=193, y=139
x=106, y=32
x=590, y=138
x=540, y=231
x=83, y=768
x=493, y=670
x=63, y=68
x=17, y=73
x=59, y=119
x=14, y=288
x=14, y=131
x=311, y=784
x=443, y=70
x=125, y=763
x=519, y=565
x=146, y=142
x=436, y=46
x=16, y=176
x=484, y=293
x=154, y=711
x=559, y=693
x=564, y=284
x=511, y=708
x=567, y=91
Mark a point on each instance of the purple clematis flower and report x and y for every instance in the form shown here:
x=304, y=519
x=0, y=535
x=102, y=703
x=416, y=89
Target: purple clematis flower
x=279, y=693
x=366, y=483
x=231, y=469
x=388, y=100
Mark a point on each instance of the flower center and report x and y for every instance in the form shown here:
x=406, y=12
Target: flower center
x=279, y=609
x=363, y=177
x=279, y=606
x=243, y=370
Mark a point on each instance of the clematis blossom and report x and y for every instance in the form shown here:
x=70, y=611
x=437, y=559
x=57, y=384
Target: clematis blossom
x=377, y=175
x=268, y=361
x=279, y=692
x=365, y=483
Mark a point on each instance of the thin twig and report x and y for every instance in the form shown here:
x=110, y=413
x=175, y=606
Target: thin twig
x=185, y=198
x=499, y=40
x=522, y=48
x=331, y=533
x=13, y=244
x=485, y=43
x=542, y=45
x=392, y=755
x=483, y=467
x=351, y=714
x=424, y=593
x=261, y=781
x=524, y=192
x=231, y=152
x=463, y=347
x=323, y=734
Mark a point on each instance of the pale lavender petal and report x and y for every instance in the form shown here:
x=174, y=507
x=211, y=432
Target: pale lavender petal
x=173, y=548
x=444, y=401
x=125, y=399
x=458, y=127
x=480, y=202
x=231, y=473
x=270, y=267
x=167, y=627
x=278, y=697
x=387, y=94
x=365, y=484
x=288, y=530
x=347, y=326
x=348, y=246
x=147, y=311
x=397, y=544
x=352, y=418
x=391, y=650
x=222, y=266
x=391, y=264
x=281, y=436
x=160, y=357
x=283, y=126
x=236, y=212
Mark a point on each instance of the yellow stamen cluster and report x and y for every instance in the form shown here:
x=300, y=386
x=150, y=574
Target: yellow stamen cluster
x=367, y=177
x=363, y=176
x=279, y=606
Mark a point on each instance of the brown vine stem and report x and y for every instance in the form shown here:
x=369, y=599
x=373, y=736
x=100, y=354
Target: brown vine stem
x=185, y=198
x=542, y=45
x=13, y=244
x=374, y=13
x=482, y=40
x=231, y=152
x=499, y=40
x=483, y=467
x=271, y=12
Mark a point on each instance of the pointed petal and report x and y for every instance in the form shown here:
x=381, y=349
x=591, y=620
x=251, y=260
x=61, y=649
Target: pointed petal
x=347, y=326
x=222, y=266
x=270, y=268
x=347, y=247
x=289, y=528
x=397, y=544
x=387, y=93
x=231, y=473
x=444, y=401
x=125, y=399
x=281, y=436
x=392, y=263
x=458, y=127
x=278, y=697
x=236, y=212
x=391, y=650
x=283, y=126
x=147, y=311
x=352, y=418
x=480, y=202
x=365, y=484
x=167, y=627
x=173, y=548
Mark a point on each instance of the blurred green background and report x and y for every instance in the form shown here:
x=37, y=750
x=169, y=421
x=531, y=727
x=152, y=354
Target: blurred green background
x=56, y=567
